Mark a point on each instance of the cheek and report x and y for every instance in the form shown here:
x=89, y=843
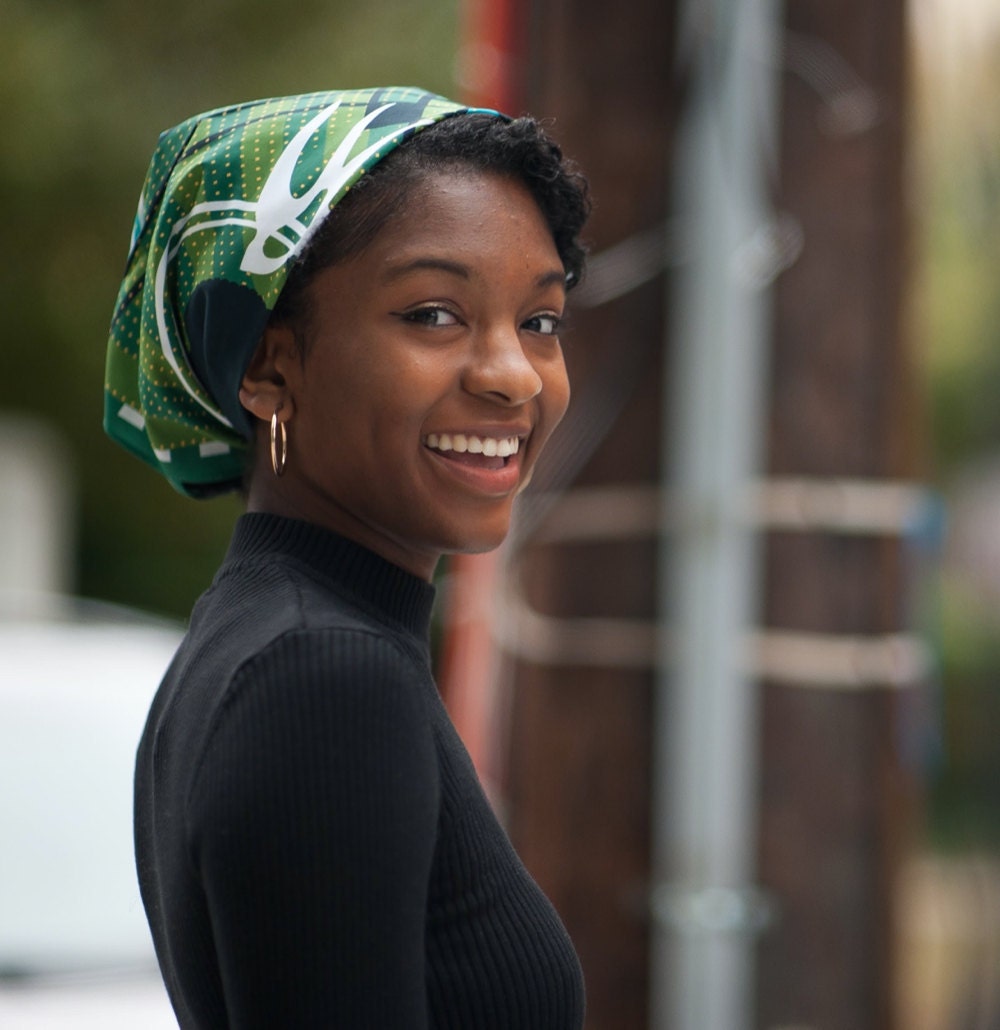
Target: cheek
x=410, y=381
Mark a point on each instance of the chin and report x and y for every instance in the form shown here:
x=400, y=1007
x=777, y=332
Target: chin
x=482, y=543
x=480, y=548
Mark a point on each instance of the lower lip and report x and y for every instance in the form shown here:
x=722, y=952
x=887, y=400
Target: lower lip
x=490, y=482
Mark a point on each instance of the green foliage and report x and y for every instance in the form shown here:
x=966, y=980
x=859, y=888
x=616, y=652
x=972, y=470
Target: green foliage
x=958, y=325
x=960, y=308
x=964, y=796
x=85, y=88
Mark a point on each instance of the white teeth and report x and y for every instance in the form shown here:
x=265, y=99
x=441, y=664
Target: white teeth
x=490, y=446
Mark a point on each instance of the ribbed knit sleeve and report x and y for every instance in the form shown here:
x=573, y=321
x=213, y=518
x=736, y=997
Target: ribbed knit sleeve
x=311, y=825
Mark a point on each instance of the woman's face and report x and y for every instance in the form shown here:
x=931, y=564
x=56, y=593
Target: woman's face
x=433, y=374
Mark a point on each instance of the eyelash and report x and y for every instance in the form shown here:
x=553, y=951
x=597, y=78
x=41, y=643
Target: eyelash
x=420, y=316
x=554, y=319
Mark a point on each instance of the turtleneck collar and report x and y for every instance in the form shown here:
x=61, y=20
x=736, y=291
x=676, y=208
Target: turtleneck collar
x=352, y=569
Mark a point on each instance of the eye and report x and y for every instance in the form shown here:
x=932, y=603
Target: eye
x=543, y=324
x=431, y=315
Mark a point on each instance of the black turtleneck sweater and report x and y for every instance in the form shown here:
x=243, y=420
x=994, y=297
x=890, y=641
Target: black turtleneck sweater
x=313, y=846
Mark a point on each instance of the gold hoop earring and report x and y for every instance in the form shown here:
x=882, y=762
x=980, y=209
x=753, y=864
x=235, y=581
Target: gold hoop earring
x=278, y=461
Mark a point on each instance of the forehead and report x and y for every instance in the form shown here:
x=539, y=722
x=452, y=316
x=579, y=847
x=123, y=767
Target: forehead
x=466, y=207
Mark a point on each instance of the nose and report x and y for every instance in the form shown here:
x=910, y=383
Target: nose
x=499, y=369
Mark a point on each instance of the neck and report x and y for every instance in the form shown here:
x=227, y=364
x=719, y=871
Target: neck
x=274, y=495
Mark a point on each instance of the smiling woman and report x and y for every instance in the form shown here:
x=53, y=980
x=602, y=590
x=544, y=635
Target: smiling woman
x=441, y=330
x=348, y=305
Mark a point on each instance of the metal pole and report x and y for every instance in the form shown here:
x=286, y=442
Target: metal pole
x=704, y=824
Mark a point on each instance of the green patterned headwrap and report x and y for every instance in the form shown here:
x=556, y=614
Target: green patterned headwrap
x=230, y=199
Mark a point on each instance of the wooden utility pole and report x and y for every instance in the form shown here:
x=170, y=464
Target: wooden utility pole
x=834, y=798
x=579, y=782
x=578, y=775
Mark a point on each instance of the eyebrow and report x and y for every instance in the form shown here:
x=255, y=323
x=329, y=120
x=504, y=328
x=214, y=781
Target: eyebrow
x=427, y=263
x=556, y=277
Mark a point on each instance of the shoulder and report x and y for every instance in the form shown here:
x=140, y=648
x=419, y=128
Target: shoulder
x=337, y=667
x=335, y=676
x=339, y=715
x=274, y=619
x=262, y=598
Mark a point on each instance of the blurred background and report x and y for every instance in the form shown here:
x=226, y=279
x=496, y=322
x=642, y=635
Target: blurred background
x=734, y=684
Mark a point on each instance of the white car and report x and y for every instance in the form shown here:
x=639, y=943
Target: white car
x=75, y=950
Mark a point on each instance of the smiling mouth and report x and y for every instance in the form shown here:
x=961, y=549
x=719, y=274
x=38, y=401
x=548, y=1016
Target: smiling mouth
x=488, y=452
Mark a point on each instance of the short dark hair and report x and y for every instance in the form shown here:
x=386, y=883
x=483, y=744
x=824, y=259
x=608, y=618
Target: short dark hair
x=520, y=149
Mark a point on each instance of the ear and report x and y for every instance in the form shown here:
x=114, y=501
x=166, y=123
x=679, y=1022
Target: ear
x=267, y=384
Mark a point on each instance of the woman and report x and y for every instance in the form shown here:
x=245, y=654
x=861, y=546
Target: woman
x=348, y=303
